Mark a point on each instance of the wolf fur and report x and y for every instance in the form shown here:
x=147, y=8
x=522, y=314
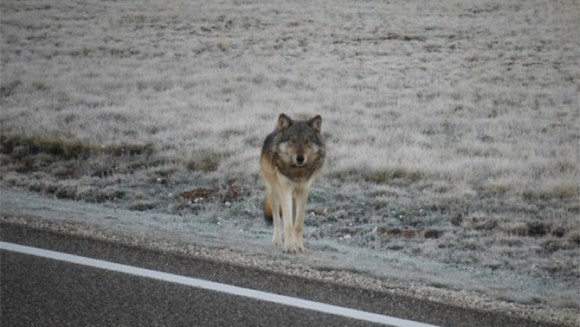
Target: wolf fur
x=292, y=157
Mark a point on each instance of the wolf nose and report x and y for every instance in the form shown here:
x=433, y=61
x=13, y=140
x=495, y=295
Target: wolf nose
x=300, y=159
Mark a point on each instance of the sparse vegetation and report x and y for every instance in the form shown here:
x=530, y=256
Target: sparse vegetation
x=206, y=161
x=400, y=175
x=61, y=148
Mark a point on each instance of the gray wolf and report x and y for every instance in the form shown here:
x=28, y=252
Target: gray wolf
x=292, y=158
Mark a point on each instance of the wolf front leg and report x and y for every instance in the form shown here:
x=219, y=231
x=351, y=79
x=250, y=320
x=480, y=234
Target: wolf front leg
x=276, y=219
x=287, y=220
x=301, y=196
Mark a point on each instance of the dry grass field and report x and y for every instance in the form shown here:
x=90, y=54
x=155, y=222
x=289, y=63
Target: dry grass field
x=453, y=127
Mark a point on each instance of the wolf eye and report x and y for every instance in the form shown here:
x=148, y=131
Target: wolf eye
x=307, y=141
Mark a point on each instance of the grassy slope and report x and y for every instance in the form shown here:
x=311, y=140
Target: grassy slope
x=452, y=127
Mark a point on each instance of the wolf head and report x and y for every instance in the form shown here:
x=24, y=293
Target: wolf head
x=299, y=142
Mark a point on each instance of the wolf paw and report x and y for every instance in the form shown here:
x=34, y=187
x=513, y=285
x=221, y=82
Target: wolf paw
x=300, y=248
x=277, y=237
x=290, y=249
x=294, y=248
x=276, y=240
x=276, y=243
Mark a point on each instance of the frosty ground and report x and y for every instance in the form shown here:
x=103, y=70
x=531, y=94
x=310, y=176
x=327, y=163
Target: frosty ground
x=452, y=129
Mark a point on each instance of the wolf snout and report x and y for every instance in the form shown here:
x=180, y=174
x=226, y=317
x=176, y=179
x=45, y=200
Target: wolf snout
x=300, y=159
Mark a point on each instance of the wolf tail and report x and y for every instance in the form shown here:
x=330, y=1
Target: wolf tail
x=268, y=216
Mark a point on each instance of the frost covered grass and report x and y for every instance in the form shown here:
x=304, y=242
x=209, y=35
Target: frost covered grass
x=452, y=127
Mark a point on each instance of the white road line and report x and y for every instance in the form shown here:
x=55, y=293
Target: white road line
x=213, y=286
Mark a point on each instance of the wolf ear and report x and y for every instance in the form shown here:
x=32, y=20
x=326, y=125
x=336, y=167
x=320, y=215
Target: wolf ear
x=315, y=123
x=283, y=122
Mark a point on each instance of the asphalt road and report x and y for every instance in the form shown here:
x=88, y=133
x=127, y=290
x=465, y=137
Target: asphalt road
x=36, y=291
